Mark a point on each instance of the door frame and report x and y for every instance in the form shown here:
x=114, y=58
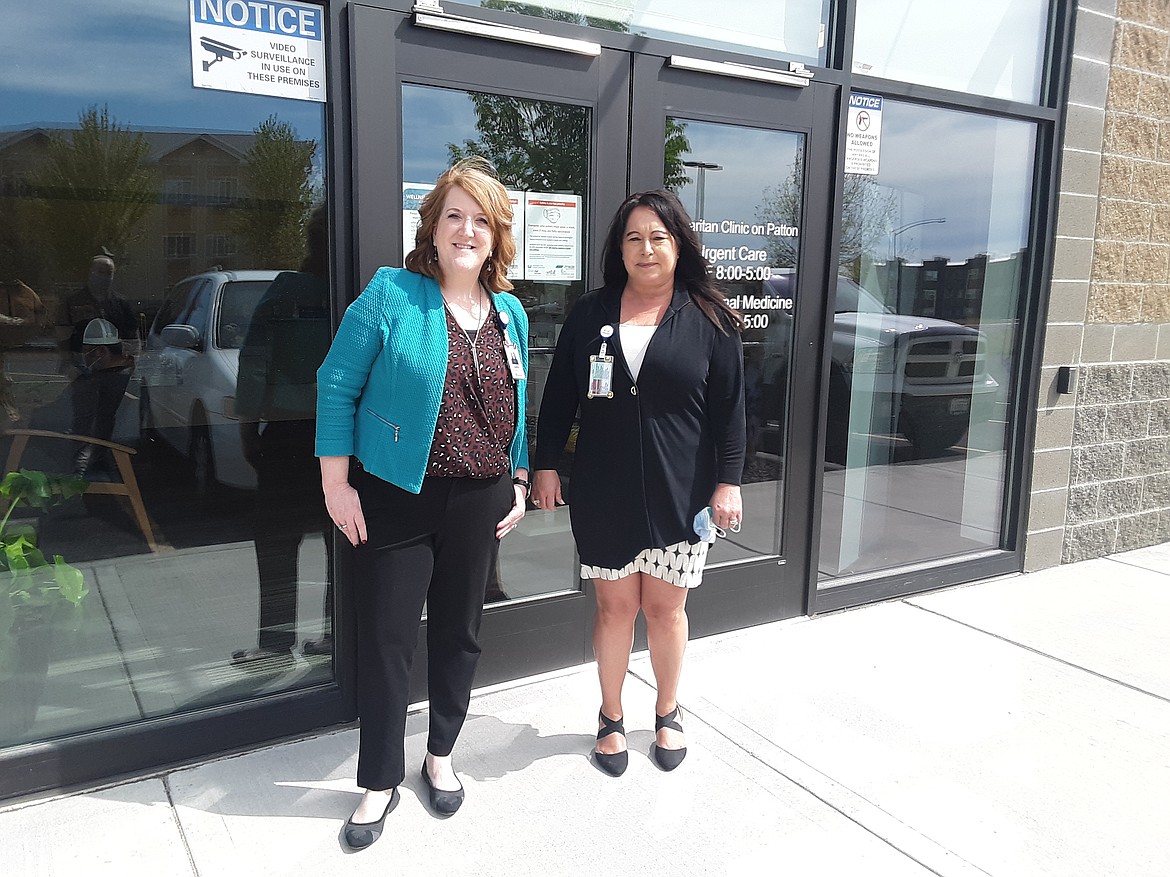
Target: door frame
x=630, y=89
x=781, y=587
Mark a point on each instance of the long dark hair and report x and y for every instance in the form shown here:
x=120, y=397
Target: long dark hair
x=692, y=269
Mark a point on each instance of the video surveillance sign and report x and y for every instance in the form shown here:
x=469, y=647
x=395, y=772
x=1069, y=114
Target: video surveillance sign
x=273, y=47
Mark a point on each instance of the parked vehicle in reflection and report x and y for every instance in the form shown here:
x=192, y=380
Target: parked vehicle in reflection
x=890, y=373
x=188, y=370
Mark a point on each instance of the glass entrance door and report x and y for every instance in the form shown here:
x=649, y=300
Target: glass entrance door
x=571, y=133
x=742, y=154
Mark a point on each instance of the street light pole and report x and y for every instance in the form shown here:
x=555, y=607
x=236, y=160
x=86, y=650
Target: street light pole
x=701, y=182
x=898, y=261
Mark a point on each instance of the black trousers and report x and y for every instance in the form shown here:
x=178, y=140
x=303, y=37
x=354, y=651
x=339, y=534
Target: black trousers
x=437, y=547
x=96, y=397
x=288, y=506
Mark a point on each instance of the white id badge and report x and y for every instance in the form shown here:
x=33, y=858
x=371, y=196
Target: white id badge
x=600, y=377
x=515, y=366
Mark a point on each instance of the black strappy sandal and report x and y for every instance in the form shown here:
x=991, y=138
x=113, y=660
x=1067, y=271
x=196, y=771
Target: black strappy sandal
x=668, y=759
x=613, y=764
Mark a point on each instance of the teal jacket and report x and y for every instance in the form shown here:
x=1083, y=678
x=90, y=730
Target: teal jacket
x=379, y=388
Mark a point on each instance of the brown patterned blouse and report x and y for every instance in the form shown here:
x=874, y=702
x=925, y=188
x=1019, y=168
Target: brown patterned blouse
x=477, y=414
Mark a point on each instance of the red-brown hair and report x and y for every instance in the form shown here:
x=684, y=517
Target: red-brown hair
x=476, y=177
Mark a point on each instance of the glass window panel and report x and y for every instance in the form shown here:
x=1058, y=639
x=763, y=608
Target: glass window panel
x=926, y=316
x=220, y=541
x=744, y=188
x=792, y=29
x=990, y=47
x=541, y=151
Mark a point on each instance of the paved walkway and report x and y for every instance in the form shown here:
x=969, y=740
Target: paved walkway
x=1014, y=727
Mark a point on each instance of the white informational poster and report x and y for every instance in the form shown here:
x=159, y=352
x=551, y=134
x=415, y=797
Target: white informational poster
x=516, y=269
x=552, y=242
x=274, y=47
x=412, y=197
x=863, y=134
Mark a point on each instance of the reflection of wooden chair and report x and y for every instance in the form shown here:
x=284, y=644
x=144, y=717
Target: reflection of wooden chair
x=127, y=487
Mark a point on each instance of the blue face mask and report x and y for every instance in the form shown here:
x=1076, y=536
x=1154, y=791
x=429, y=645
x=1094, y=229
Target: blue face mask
x=705, y=527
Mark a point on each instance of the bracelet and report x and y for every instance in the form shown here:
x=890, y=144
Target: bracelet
x=523, y=482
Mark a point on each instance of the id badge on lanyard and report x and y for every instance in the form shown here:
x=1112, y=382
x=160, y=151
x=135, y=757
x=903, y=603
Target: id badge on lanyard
x=511, y=351
x=601, y=369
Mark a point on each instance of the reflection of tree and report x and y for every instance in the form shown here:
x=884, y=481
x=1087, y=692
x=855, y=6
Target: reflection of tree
x=272, y=215
x=541, y=146
x=558, y=15
x=866, y=213
x=677, y=146
x=535, y=145
x=94, y=190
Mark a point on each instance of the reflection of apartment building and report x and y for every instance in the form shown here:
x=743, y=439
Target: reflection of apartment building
x=954, y=291
x=190, y=229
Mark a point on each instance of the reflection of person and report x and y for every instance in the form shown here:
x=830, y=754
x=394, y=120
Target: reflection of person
x=660, y=438
x=96, y=392
x=276, y=397
x=424, y=388
x=22, y=318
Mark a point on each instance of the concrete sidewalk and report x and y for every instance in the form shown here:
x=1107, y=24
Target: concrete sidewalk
x=1013, y=727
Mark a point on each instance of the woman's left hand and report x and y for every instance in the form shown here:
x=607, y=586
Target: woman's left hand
x=506, y=526
x=727, y=507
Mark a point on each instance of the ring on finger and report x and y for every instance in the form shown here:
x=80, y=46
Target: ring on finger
x=343, y=526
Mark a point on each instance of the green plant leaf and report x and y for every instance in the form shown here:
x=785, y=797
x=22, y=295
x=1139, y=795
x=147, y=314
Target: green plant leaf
x=32, y=581
x=69, y=580
x=41, y=490
x=28, y=531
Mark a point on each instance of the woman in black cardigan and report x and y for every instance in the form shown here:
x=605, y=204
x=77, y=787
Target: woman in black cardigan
x=653, y=362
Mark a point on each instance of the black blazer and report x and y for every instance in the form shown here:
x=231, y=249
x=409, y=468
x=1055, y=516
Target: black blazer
x=647, y=460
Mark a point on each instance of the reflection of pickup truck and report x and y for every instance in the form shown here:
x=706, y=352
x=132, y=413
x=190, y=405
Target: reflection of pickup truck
x=897, y=373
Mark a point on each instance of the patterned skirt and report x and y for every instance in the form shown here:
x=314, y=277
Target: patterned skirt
x=680, y=564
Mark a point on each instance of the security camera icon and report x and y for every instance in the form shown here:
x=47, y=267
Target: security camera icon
x=220, y=50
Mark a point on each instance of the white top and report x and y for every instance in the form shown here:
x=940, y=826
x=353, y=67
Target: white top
x=635, y=340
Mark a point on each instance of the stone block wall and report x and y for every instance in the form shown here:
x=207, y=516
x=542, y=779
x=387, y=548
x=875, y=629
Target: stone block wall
x=1102, y=464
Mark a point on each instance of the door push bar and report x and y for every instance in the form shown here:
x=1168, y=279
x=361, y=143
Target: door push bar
x=428, y=13
x=797, y=76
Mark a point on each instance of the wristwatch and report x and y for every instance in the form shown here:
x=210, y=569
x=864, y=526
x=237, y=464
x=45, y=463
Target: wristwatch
x=523, y=482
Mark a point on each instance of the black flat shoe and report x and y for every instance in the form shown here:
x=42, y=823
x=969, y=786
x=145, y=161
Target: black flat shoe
x=359, y=835
x=442, y=802
x=614, y=764
x=668, y=759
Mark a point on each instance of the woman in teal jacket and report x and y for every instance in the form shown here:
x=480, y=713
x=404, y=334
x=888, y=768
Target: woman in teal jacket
x=424, y=467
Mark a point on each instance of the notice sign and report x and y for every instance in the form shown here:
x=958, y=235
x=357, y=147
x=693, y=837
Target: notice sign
x=272, y=47
x=863, y=134
x=552, y=234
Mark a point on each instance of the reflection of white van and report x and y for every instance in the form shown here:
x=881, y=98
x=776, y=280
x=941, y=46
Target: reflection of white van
x=189, y=368
x=922, y=373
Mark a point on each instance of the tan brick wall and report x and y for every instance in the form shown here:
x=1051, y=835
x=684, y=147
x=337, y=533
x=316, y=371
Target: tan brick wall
x=1118, y=494
x=1130, y=280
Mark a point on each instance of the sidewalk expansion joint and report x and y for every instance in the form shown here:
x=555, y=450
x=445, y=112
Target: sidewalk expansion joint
x=1116, y=559
x=838, y=797
x=1070, y=664
x=166, y=782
